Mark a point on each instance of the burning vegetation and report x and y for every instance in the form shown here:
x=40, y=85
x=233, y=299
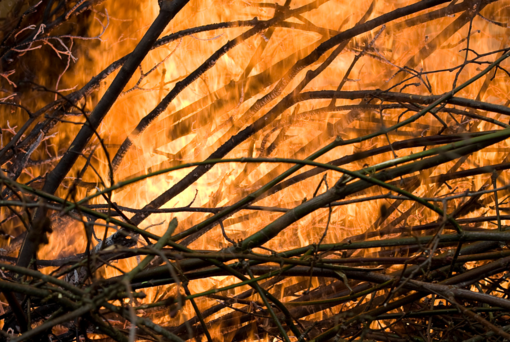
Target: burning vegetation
x=296, y=170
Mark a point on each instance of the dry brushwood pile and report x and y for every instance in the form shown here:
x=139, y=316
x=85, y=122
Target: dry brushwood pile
x=295, y=170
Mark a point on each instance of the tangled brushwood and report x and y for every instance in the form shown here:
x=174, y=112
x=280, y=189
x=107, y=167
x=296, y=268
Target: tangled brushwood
x=296, y=170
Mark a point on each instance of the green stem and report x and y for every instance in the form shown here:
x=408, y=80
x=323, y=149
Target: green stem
x=49, y=324
x=342, y=299
x=428, y=313
x=43, y=277
x=160, y=244
x=497, y=135
x=419, y=240
x=309, y=161
x=197, y=311
x=143, y=321
x=270, y=309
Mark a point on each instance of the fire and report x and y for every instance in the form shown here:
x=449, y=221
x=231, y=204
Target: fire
x=219, y=103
